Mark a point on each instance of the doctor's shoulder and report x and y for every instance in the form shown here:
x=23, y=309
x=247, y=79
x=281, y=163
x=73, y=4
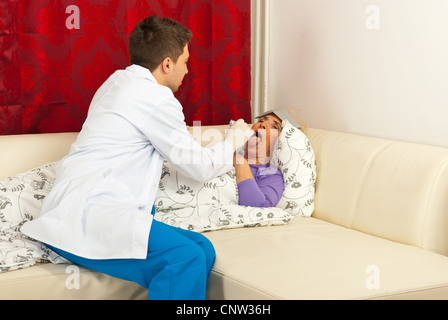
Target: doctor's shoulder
x=146, y=85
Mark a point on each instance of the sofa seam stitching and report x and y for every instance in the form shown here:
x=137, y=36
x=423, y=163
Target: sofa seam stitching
x=246, y=284
x=363, y=180
x=406, y=291
x=429, y=202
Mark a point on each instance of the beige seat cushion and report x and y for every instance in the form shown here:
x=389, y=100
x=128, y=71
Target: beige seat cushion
x=313, y=259
x=65, y=282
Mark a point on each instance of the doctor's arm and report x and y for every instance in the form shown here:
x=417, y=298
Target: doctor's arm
x=168, y=133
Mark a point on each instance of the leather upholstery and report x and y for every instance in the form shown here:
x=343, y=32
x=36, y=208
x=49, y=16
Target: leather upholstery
x=378, y=230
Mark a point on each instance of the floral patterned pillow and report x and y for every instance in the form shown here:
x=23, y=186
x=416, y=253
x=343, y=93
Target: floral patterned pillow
x=21, y=198
x=207, y=206
x=295, y=158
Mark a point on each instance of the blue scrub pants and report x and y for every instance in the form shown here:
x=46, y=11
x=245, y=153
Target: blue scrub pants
x=176, y=268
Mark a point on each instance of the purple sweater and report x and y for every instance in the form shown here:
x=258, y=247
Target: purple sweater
x=265, y=190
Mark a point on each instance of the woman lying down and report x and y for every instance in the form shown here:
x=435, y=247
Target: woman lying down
x=259, y=183
x=245, y=196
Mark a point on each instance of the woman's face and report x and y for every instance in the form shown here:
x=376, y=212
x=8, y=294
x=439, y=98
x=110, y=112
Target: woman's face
x=260, y=146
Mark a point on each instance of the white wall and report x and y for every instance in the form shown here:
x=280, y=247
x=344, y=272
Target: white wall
x=344, y=65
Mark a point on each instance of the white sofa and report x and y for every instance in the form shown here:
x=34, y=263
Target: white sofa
x=379, y=231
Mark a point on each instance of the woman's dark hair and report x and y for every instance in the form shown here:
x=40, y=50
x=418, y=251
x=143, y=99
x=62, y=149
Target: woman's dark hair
x=154, y=39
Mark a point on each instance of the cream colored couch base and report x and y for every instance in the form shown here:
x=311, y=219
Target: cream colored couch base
x=378, y=231
x=314, y=259
x=307, y=259
x=65, y=282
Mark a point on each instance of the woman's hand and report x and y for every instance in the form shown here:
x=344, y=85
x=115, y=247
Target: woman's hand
x=242, y=168
x=238, y=159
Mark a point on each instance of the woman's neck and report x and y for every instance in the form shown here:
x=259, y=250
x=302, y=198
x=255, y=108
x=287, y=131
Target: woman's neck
x=257, y=160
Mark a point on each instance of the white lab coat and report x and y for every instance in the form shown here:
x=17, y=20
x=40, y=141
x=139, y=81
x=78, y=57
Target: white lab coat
x=100, y=205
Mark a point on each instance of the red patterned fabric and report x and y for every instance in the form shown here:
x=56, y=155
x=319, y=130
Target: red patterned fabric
x=51, y=68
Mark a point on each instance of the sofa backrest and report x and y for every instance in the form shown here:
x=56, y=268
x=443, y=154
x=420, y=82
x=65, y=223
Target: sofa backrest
x=27, y=151
x=394, y=190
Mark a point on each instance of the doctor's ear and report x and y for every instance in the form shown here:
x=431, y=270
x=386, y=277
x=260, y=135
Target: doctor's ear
x=167, y=65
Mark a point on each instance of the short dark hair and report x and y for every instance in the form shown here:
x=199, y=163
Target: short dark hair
x=154, y=39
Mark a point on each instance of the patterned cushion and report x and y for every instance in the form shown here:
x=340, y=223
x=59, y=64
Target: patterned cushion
x=21, y=198
x=295, y=158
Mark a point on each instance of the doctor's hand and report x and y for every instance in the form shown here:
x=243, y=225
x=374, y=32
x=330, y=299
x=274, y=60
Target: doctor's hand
x=238, y=134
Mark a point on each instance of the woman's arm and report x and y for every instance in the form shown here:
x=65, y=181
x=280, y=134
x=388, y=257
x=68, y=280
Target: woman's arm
x=242, y=168
x=264, y=193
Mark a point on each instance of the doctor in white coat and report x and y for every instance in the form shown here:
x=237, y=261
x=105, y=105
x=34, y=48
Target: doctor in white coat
x=99, y=213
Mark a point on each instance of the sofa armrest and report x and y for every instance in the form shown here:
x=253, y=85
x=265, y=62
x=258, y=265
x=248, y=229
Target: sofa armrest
x=394, y=190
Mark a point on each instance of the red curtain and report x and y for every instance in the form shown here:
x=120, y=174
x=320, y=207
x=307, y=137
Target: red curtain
x=56, y=53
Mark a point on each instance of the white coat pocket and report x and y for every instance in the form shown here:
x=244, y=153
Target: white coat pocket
x=111, y=192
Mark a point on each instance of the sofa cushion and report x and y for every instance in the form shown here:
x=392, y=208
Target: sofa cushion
x=294, y=157
x=21, y=198
x=390, y=189
x=66, y=282
x=314, y=259
x=207, y=206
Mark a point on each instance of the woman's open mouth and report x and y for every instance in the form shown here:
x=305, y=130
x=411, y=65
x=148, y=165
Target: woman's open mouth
x=255, y=139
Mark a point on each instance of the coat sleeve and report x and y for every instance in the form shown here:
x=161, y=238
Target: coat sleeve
x=167, y=131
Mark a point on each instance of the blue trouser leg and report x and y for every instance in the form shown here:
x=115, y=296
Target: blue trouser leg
x=176, y=267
